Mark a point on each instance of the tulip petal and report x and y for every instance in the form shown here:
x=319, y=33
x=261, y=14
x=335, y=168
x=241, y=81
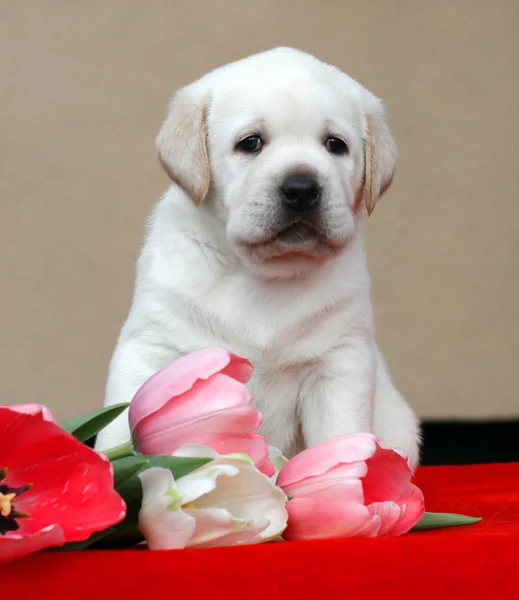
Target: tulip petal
x=322, y=457
x=166, y=529
x=387, y=478
x=344, y=490
x=68, y=477
x=157, y=482
x=195, y=451
x=163, y=434
x=217, y=527
x=413, y=501
x=334, y=512
x=252, y=446
x=203, y=481
x=16, y=546
x=239, y=368
x=249, y=535
x=226, y=432
x=341, y=473
x=248, y=495
x=74, y=496
x=44, y=441
x=34, y=409
x=390, y=514
x=370, y=529
x=317, y=518
x=179, y=376
x=162, y=521
x=215, y=394
x=277, y=460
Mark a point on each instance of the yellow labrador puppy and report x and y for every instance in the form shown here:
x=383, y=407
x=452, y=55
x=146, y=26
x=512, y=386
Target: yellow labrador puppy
x=258, y=247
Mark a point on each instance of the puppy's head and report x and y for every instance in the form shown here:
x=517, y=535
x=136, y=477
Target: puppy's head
x=286, y=149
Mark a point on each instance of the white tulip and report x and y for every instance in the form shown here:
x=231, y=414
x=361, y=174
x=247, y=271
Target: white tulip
x=224, y=503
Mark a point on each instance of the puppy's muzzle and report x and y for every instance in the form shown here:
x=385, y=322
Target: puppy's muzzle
x=300, y=193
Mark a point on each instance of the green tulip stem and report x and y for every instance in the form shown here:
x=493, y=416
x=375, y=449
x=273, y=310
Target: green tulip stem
x=121, y=451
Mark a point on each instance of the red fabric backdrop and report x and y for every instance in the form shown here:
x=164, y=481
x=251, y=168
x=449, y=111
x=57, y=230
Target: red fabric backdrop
x=478, y=561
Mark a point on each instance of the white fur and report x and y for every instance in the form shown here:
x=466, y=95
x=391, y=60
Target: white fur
x=213, y=272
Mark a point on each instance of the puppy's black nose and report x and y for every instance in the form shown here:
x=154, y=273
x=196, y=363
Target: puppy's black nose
x=300, y=192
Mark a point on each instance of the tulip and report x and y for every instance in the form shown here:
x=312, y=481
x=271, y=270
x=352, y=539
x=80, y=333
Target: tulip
x=224, y=503
x=34, y=409
x=349, y=486
x=53, y=488
x=200, y=398
x=278, y=461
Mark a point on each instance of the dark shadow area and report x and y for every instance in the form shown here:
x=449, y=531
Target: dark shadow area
x=460, y=443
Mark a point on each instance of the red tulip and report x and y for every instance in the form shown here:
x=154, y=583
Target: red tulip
x=53, y=488
x=33, y=409
x=201, y=398
x=349, y=487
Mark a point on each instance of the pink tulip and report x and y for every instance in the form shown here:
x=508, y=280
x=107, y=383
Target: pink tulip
x=349, y=487
x=202, y=399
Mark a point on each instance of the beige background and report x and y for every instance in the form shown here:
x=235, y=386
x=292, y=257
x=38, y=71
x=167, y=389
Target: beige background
x=83, y=86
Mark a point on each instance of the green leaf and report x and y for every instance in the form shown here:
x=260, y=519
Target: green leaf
x=86, y=426
x=130, y=487
x=125, y=468
x=441, y=520
x=125, y=535
x=178, y=465
x=93, y=539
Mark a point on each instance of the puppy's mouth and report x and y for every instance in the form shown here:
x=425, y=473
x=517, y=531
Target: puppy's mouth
x=298, y=234
x=295, y=235
x=299, y=240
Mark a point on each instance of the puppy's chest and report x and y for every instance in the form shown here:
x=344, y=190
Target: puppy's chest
x=273, y=329
x=247, y=324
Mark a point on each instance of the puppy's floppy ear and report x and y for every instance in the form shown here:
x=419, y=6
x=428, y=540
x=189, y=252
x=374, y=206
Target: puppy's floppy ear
x=380, y=152
x=181, y=142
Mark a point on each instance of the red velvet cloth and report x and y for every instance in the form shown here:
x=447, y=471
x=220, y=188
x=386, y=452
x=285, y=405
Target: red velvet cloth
x=478, y=561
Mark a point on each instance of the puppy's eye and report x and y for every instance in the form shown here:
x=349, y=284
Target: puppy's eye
x=336, y=146
x=251, y=144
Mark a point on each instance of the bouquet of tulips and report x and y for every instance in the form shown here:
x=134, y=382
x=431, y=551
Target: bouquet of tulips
x=196, y=474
